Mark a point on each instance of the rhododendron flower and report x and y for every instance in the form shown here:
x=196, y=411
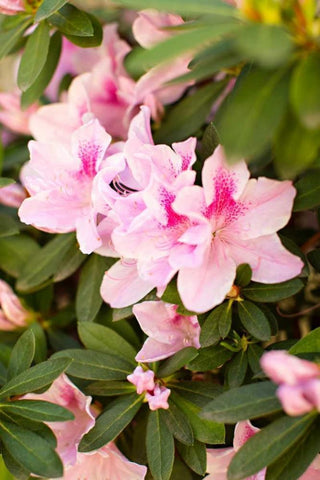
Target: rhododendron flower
x=12, y=195
x=168, y=331
x=69, y=434
x=11, y=7
x=299, y=380
x=218, y=459
x=107, y=463
x=142, y=379
x=158, y=398
x=11, y=114
x=60, y=180
x=13, y=315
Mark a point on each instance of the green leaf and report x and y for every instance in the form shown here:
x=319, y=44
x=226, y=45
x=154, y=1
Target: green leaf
x=248, y=401
x=194, y=456
x=41, y=351
x=210, y=358
x=210, y=332
x=257, y=104
x=9, y=39
x=93, y=365
x=209, y=142
x=109, y=388
x=89, y=42
x=304, y=90
x=34, y=56
x=8, y=226
x=243, y=276
x=17, y=470
x=4, y=182
x=70, y=262
x=177, y=361
x=39, y=411
x=308, y=192
x=292, y=464
x=48, y=7
x=199, y=393
x=22, y=354
x=314, y=258
x=268, y=45
x=195, y=107
x=309, y=343
x=192, y=40
x=43, y=79
x=15, y=252
x=261, y=292
x=292, y=156
x=29, y=450
x=35, y=378
x=160, y=446
x=111, y=422
x=103, y=339
x=255, y=352
x=72, y=21
x=184, y=7
x=237, y=369
x=268, y=445
x=178, y=424
x=254, y=320
x=42, y=266
x=204, y=430
x=88, y=299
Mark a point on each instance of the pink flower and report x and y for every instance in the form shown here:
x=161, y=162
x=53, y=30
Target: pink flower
x=12, y=314
x=69, y=434
x=142, y=379
x=218, y=459
x=11, y=114
x=299, y=380
x=168, y=331
x=59, y=180
x=11, y=7
x=12, y=195
x=148, y=28
x=104, y=464
x=158, y=398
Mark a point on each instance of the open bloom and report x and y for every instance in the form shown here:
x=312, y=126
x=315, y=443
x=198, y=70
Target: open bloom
x=13, y=315
x=59, y=180
x=168, y=331
x=299, y=380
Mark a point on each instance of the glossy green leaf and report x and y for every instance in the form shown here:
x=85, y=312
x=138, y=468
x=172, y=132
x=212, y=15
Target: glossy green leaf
x=5, y=470
x=8, y=226
x=9, y=39
x=43, y=79
x=15, y=251
x=304, y=90
x=255, y=352
x=199, y=393
x=217, y=323
x=261, y=292
x=93, y=365
x=210, y=358
x=72, y=21
x=268, y=445
x=111, y=422
x=177, y=361
x=109, y=388
x=39, y=411
x=178, y=424
x=88, y=42
x=243, y=275
x=29, y=449
x=209, y=142
x=257, y=104
x=184, y=7
x=309, y=343
x=308, y=192
x=160, y=446
x=204, y=430
x=237, y=369
x=42, y=266
x=88, y=299
x=34, y=56
x=248, y=401
x=35, y=378
x=70, y=262
x=48, y=7
x=195, y=456
x=103, y=339
x=268, y=45
x=22, y=354
x=254, y=320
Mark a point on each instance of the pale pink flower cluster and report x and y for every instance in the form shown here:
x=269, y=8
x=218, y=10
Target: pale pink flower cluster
x=299, y=380
x=218, y=459
x=13, y=314
x=137, y=200
x=156, y=395
x=103, y=464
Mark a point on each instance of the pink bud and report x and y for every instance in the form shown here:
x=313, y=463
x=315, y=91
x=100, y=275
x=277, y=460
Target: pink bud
x=12, y=195
x=159, y=398
x=143, y=380
x=12, y=314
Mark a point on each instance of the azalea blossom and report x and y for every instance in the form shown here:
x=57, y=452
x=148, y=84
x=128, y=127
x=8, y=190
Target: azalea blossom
x=11, y=7
x=299, y=380
x=11, y=114
x=13, y=314
x=168, y=331
x=59, y=181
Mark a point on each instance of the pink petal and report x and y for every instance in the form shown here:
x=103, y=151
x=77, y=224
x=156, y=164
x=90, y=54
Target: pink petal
x=218, y=460
x=282, y=367
x=243, y=431
x=12, y=195
x=293, y=400
x=312, y=392
x=148, y=27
